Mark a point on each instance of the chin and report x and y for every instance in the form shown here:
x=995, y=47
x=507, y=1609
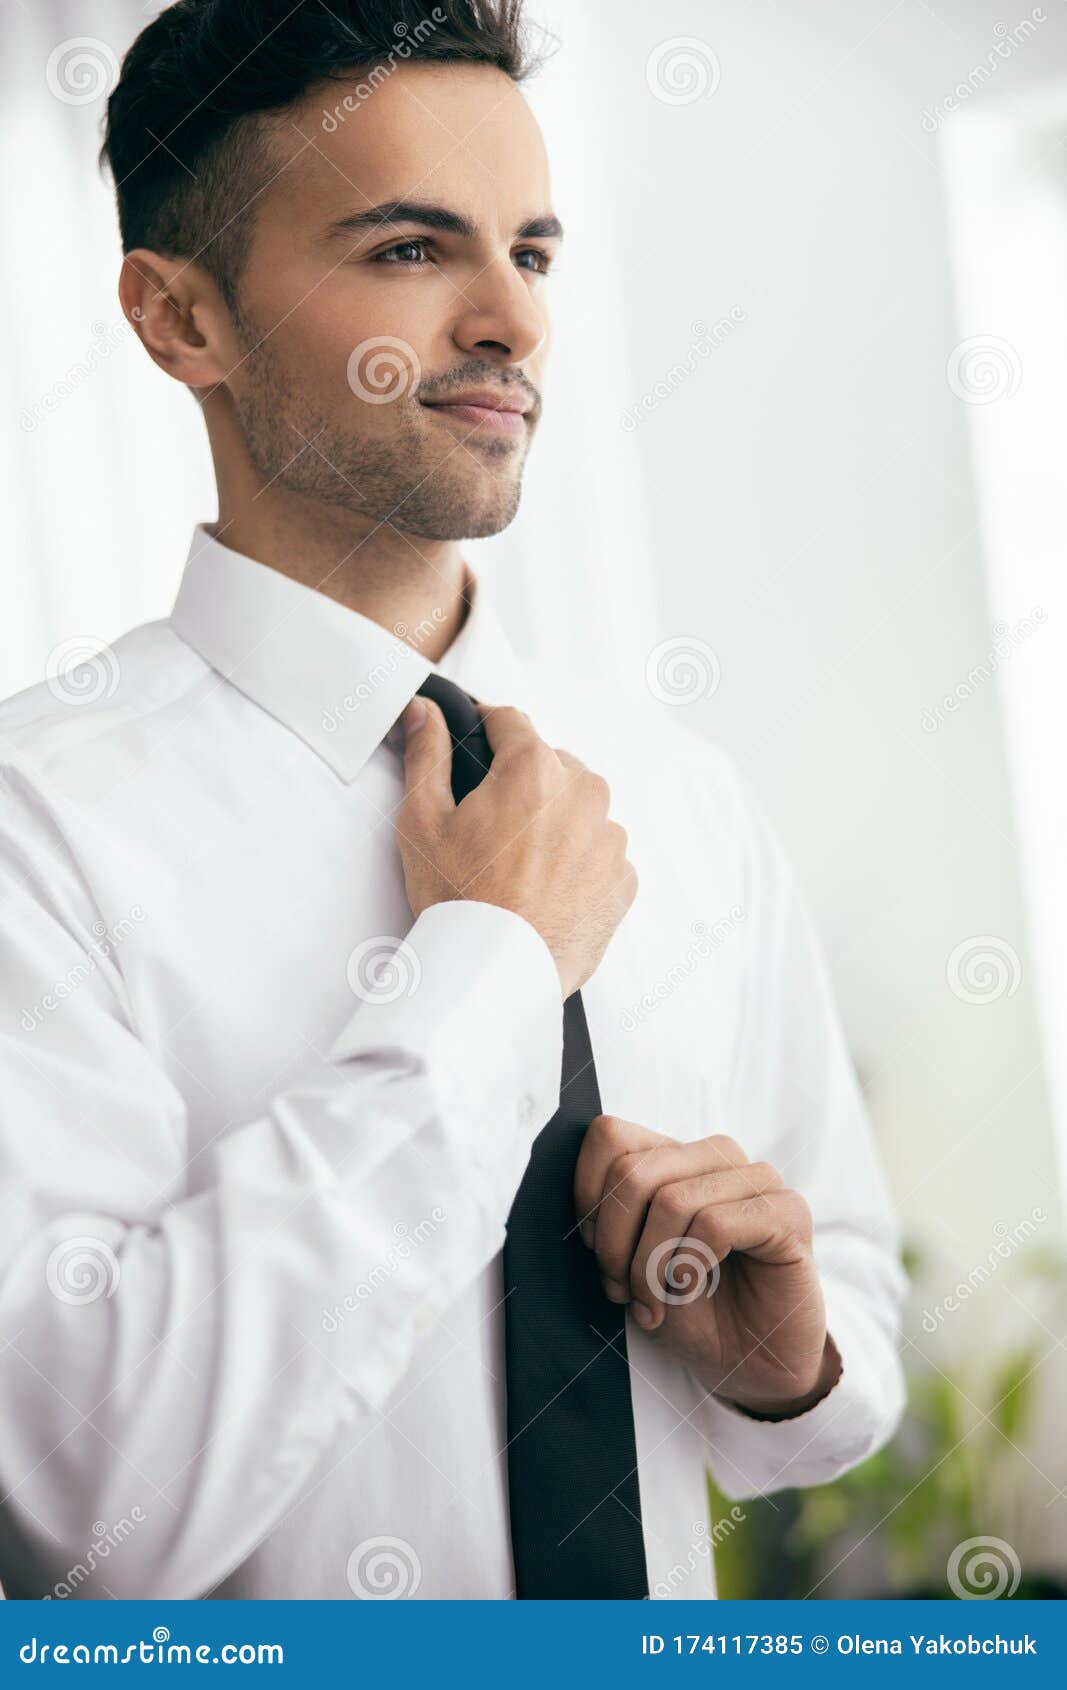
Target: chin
x=464, y=515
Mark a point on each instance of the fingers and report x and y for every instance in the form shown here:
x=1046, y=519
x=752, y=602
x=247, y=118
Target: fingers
x=678, y=1261
x=657, y=1198
x=606, y=1139
x=615, y=1170
x=507, y=728
x=427, y=758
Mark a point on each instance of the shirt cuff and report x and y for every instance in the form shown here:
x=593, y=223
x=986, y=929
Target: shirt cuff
x=753, y=1457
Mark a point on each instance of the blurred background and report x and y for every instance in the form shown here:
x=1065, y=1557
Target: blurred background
x=800, y=480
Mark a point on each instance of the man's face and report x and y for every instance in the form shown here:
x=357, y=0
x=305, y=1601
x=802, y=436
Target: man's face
x=393, y=309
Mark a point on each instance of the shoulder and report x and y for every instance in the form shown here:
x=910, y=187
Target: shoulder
x=101, y=708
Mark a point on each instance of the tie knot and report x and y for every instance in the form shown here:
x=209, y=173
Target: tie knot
x=457, y=707
x=471, y=754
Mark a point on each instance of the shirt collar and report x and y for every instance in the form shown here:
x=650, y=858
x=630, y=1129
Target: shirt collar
x=327, y=673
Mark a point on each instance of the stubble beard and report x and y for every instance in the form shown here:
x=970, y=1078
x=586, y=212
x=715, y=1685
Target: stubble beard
x=435, y=489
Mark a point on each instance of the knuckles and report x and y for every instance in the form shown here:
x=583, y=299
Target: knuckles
x=609, y=1136
x=671, y=1207
x=764, y=1176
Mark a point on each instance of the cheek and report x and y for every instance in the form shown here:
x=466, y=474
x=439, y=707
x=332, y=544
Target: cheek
x=371, y=342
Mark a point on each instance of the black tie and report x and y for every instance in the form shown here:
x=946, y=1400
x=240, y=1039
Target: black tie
x=572, y=1461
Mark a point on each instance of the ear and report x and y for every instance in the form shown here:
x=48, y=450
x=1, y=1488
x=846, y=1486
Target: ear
x=175, y=309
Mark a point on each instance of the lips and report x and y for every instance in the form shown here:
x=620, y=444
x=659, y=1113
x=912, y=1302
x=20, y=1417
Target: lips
x=486, y=409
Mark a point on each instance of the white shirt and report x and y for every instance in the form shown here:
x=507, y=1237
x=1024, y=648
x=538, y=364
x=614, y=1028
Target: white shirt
x=255, y=1181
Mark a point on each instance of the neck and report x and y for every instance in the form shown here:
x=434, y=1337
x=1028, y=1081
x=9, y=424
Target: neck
x=418, y=589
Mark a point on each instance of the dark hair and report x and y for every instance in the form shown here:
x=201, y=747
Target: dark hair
x=183, y=140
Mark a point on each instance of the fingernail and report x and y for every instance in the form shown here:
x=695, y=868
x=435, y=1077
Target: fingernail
x=617, y=1293
x=414, y=715
x=588, y=1231
x=643, y=1316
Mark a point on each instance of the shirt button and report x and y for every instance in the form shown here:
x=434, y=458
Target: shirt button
x=527, y=1106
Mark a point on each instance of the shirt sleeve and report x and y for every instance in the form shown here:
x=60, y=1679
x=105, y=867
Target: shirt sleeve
x=795, y=1101
x=180, y=1343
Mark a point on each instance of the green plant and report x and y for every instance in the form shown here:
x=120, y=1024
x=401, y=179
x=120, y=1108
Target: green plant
x=888, y=1527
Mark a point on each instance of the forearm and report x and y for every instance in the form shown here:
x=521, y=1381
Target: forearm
x=234, y=1330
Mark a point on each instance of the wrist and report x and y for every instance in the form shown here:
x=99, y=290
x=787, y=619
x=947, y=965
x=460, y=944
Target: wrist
x=787, y=1408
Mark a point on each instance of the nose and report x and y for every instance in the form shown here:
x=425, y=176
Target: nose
x=499, y=316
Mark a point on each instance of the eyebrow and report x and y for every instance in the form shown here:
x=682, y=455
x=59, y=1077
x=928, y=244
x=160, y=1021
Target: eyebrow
x=430, y=216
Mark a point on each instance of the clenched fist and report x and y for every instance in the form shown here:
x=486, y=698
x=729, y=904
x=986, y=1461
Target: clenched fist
x=715, y=1256
x=534, y=837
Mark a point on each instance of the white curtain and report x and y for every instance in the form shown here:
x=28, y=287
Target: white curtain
x=102, y=463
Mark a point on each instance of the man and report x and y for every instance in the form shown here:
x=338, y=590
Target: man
x=318, y=1279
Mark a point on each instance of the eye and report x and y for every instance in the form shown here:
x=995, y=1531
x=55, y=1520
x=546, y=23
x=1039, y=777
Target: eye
x=405, y=252
x=540, y=262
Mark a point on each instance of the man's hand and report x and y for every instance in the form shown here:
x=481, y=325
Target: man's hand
x=716, y=1257
x=534, y=837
